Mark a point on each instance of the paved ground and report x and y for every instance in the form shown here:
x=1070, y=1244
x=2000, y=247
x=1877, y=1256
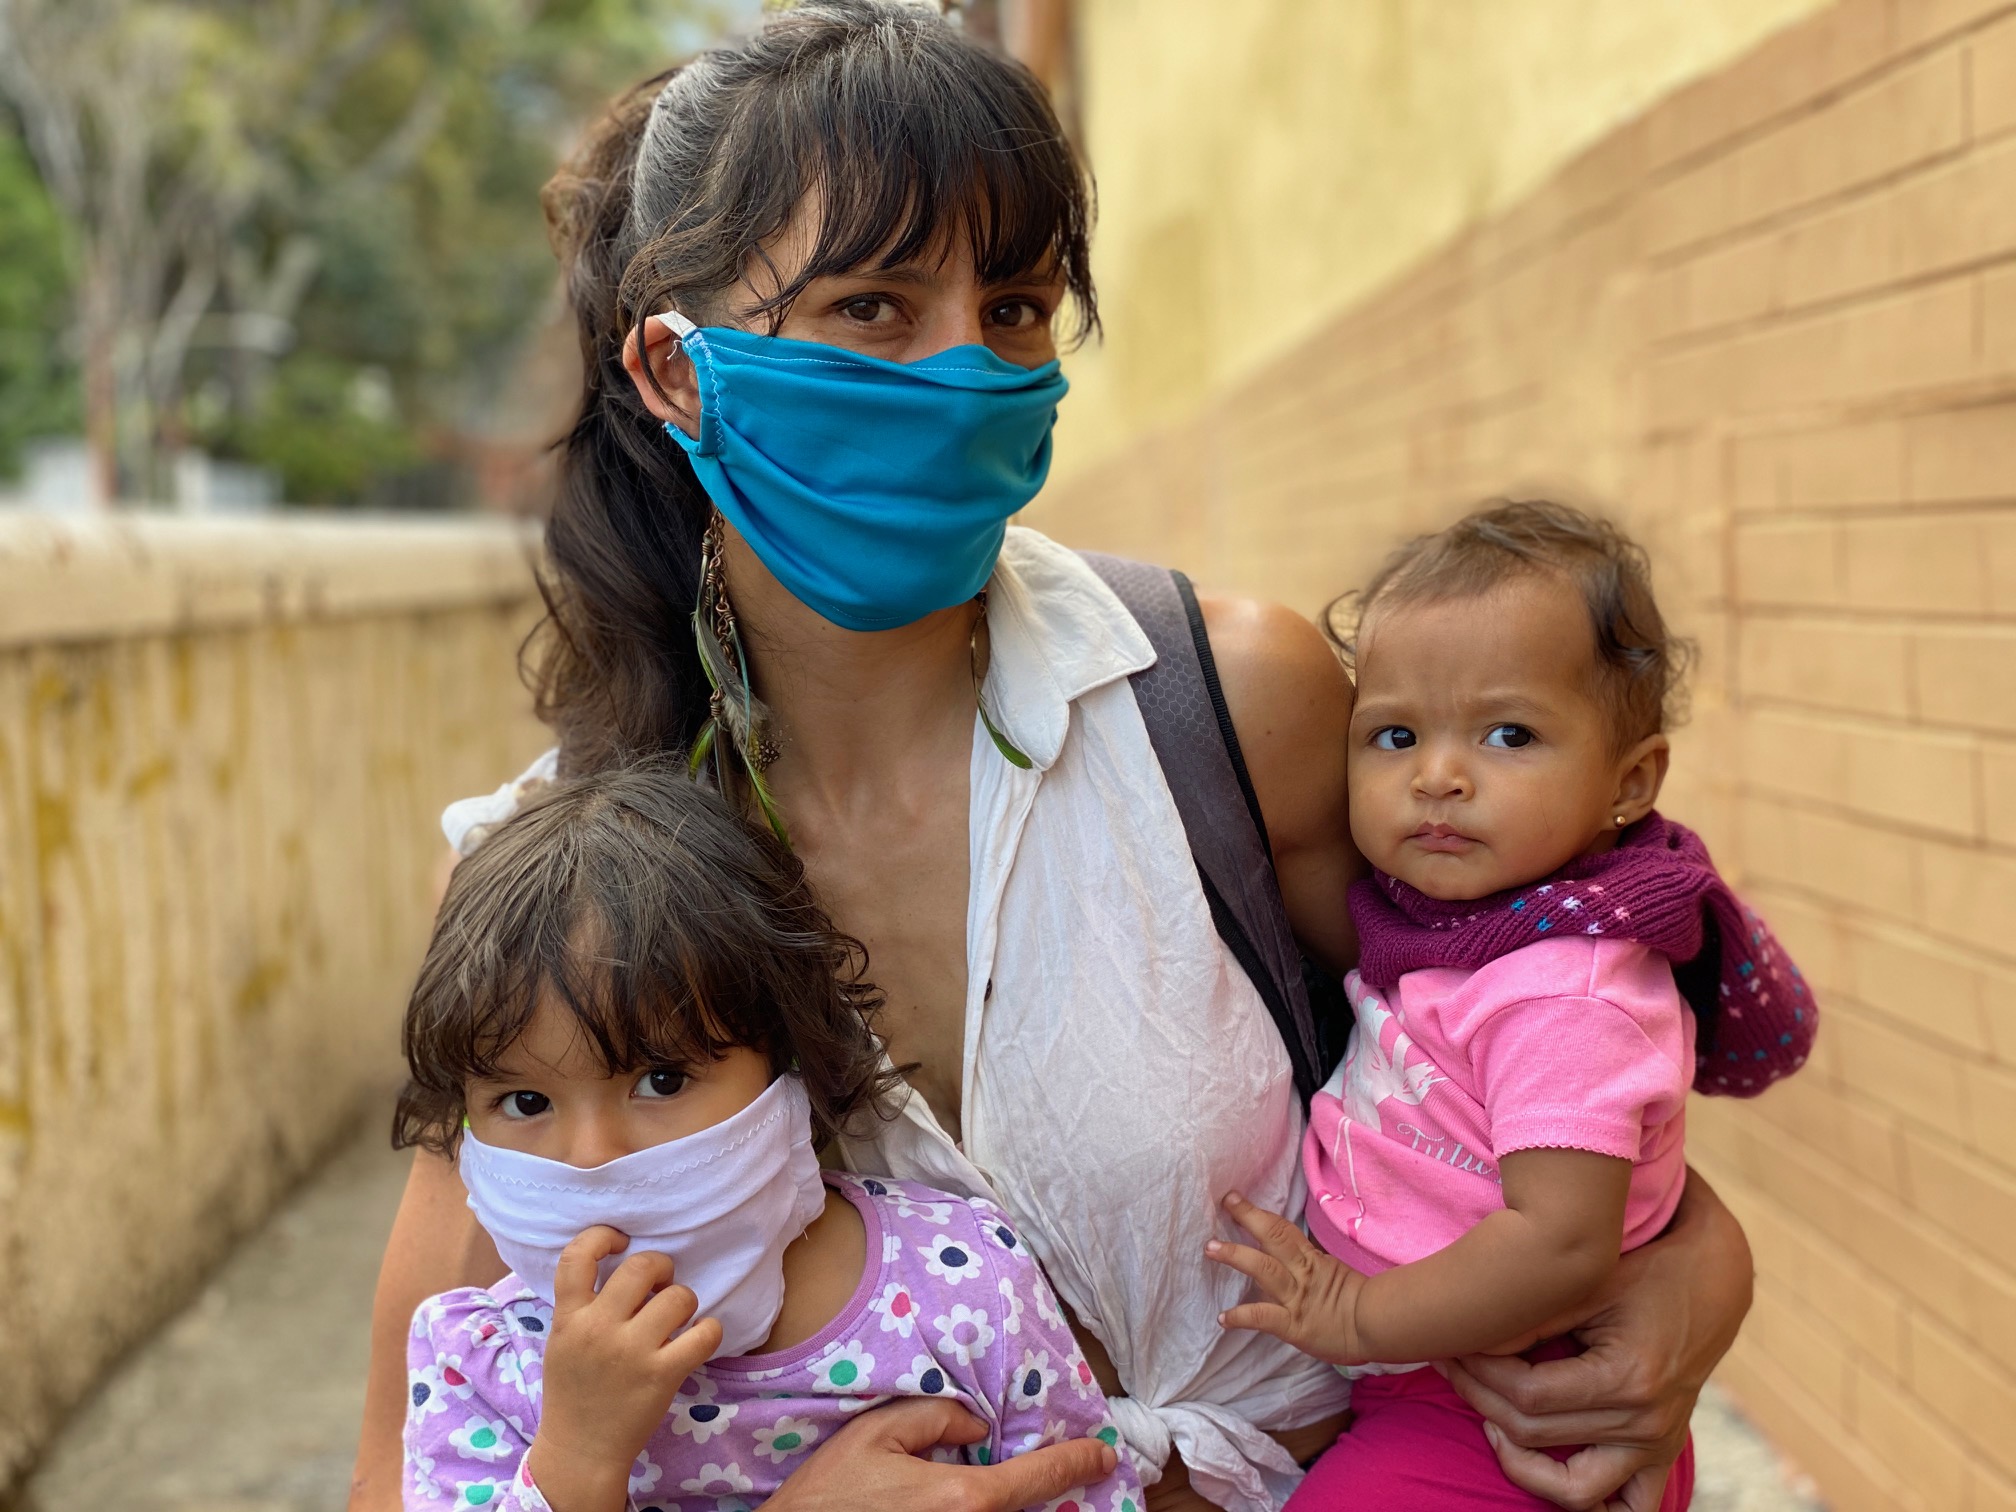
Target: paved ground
x=249, y=1401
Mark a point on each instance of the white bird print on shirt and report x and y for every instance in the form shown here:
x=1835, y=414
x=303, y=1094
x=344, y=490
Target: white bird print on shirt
x=1372, y=1077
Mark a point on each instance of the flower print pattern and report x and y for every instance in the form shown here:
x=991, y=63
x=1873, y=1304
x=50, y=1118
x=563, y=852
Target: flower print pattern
x=1079, y=1373
x=951, y=1307
x=786, y=1437
x=1011, y=1308
x=898, y=1308
x=715, y=1480
x=925, y=1377
x=695, y=1413
x=485, y=1439
x=645, y=1474
x=964, y=1333
x=1030, y=1385
x=846, y=1369
x=949, y=1259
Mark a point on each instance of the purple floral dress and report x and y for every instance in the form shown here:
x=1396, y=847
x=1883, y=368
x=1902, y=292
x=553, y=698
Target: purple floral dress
x=950, y=1304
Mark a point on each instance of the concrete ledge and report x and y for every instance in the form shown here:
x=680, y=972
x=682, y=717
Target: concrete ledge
x=125, y=576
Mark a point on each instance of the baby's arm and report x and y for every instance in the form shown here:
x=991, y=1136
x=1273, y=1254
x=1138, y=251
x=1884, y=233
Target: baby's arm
x=1555, y=1241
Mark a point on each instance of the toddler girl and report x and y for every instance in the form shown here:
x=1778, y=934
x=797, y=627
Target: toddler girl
x=631, y=1023
x=1538, y=948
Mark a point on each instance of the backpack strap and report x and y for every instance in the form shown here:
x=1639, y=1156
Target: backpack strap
x=1191, y=730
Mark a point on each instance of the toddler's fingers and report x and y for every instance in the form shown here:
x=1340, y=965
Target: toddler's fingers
x=680, y=1356
x=1275, y=1234
x=668, y=1312
x=574, y=1276
x=633, y=1282
x=1261, y=1317
x=1263, y=1268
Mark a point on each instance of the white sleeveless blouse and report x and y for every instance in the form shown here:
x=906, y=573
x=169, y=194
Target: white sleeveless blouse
x=1121, y=1073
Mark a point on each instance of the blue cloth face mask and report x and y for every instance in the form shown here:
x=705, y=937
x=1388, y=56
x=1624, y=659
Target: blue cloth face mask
x=877, y=492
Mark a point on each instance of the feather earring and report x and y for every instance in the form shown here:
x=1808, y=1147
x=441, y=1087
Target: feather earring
x=734, y=713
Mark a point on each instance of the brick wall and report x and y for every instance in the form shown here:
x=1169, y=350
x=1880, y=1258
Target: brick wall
x=1772, y=324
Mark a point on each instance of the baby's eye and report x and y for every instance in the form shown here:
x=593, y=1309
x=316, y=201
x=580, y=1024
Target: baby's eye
x=523, y=1104
x=660, y=1083
x=1509, y=737
x=1394, y=738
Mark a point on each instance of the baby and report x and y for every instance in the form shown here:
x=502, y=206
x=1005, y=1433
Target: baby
x=631, y=1025
x=1509, y=1116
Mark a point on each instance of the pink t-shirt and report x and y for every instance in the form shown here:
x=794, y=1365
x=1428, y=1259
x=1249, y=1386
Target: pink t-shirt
x=1578, y=1044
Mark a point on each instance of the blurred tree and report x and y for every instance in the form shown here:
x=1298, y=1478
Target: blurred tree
x=306, y=231
x=39, y=395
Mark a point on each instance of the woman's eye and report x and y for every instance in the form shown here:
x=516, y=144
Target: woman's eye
x=868, y=309
x=524, y=1104
x=1509, y=737
x=1394, y=738
x=660, y=1083
x=1017, y=314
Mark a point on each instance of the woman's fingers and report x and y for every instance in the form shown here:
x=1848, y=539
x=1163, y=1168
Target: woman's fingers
x=1263, y=1268
x=1587, y=1480
x=1040, y=1476
x=1547, y=1405
x=574, y=1276
x=917, y=1425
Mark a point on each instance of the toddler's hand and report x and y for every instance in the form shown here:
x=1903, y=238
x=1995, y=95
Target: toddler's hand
x=1315, y=1295
x=613, y=1365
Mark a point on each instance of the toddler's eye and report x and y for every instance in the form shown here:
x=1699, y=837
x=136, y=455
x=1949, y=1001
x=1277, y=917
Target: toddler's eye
x=1509, y=737
x=660, y=1083
x=524, y=1104
x=1394, y=738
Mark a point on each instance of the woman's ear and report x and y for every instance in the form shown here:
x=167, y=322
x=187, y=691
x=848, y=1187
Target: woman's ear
x=1641, y=773
x=659, y=356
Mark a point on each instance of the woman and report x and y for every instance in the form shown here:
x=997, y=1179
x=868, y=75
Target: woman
x=859, y=175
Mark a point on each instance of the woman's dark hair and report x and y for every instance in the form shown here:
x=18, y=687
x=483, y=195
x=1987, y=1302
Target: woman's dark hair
x=898, y=130
x=1641, y=666
x=666, y=927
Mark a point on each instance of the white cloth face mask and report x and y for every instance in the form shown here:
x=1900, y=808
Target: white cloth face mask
x=723, y=1203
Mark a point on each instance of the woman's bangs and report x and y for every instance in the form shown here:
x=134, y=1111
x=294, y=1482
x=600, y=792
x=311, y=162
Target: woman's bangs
x=904, y=159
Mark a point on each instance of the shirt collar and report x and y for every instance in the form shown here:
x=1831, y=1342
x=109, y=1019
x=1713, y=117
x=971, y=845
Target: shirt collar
x=1055, y=633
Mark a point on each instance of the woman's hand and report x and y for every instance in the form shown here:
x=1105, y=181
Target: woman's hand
x=1653, y=1333
x=615, y=1360
x=873, y=1465
x=1313, y=1295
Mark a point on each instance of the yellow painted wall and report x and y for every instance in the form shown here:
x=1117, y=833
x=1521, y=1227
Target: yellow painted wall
x=1264, y=164
x=222, y=751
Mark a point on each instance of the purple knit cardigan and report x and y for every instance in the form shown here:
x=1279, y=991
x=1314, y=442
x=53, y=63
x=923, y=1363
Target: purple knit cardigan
x=1658, y=888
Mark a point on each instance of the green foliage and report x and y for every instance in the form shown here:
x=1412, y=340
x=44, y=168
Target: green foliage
x=39, y=393
x=364, y=177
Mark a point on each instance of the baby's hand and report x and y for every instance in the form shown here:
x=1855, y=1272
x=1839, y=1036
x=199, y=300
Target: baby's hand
x=1315, y=1295
x=613, y=1365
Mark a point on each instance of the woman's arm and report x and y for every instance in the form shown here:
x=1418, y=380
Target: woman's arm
x=435, y=1246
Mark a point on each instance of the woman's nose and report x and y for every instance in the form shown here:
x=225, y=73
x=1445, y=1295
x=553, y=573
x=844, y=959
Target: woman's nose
x=947, y=323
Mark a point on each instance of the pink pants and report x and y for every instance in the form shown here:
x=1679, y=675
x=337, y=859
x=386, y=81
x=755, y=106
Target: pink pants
x=1414, y=1445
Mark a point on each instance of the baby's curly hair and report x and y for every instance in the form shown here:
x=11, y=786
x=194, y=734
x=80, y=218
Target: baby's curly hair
x=1641, y=666
x=665, y=926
